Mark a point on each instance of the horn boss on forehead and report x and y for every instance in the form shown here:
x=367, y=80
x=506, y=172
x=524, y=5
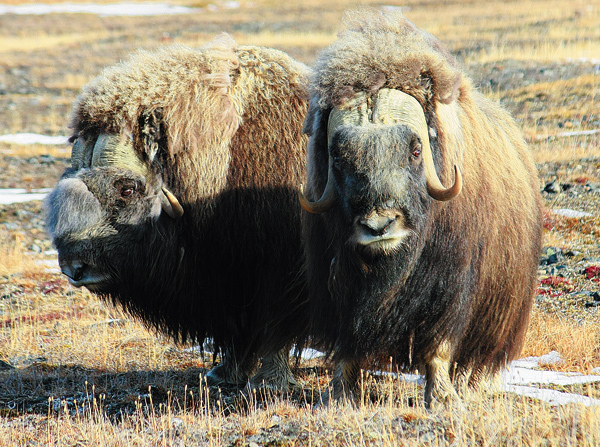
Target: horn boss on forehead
x=389, y=107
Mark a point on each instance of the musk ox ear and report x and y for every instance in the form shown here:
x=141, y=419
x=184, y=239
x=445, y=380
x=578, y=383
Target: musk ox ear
x=151, y=133
x=311, y=114
x=449, y=91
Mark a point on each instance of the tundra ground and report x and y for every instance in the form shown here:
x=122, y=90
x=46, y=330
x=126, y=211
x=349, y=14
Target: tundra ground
x=78, y=371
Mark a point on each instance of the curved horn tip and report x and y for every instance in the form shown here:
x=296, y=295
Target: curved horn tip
x=304, y=202
x=320, y=206
x=450, y=193
x=171, y=205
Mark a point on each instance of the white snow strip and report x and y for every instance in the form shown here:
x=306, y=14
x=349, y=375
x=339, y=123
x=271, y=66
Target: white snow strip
x=106, y=10
x=552, y=397
x=570, y=213
x=33, y=138
x=574, y=133
x=307, y=353
x=577, y=133
x=584, y=60
x=409, y=378
x=8, y=196
x=524, y=376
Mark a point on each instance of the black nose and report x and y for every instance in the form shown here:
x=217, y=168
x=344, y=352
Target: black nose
x=376, y=224
x=73, y=270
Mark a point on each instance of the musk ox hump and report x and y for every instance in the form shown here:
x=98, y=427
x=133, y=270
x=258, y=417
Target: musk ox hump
x=385, y=51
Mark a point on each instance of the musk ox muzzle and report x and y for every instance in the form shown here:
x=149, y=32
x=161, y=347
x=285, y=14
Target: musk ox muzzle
x=96, y=209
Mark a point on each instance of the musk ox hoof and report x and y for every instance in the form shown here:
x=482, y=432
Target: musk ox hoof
x=447, y=398
x=223, y=375
x=275, y=375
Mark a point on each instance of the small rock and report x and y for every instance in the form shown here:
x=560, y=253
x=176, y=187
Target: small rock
x=551, y=255
x=11, y=226
x=552, y=187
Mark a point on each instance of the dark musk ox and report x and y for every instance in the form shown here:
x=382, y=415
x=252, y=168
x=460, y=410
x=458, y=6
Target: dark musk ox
x=440, y=278
x=181, y=203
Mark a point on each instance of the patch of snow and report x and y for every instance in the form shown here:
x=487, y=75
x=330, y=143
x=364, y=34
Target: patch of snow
x=17, y=195
x=552, y=358
x=576, y=133
x=417, y=379
x=524, y=376
x=584, y=60
x=33, y=138
x=393, y=8
x=104, y=10
x=552, y=397
x=308, y=353
x=573, y=133
x=570, y=213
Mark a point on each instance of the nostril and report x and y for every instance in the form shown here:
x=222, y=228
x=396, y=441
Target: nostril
x=377, y=225
x=74, y=270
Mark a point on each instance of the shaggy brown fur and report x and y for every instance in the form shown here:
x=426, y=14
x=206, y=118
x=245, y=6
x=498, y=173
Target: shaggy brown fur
x=221, y=128
x=459, y=291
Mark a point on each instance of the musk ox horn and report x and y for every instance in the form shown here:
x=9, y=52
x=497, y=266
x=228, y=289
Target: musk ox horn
x=170, y=204
x=355, y=113
x=117, y=150
x=327, y=199
x=81, y=153
x=394, y=106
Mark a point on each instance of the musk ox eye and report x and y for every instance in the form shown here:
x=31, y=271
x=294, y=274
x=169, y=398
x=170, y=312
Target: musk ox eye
x=416, y=150
x=126, y=191
x=336, y=161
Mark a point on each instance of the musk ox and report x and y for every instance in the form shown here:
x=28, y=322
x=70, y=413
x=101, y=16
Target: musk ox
x=441, y=278
x=181, y=202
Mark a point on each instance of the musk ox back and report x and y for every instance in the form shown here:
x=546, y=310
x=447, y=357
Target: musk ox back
x=423, y=228
x=181, y=202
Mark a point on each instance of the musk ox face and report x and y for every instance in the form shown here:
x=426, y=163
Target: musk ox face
x=95, y=218
x=380, y=171
x=380, y=186
x=102, y=208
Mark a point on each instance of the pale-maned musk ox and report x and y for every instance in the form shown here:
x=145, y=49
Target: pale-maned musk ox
x=440, y=278
x=181, y=204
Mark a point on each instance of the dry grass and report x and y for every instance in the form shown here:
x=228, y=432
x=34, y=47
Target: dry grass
x=84, y=368
x=576, y=339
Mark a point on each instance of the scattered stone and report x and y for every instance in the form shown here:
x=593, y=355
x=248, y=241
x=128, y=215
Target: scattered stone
x=551, y=255
x=552, y=187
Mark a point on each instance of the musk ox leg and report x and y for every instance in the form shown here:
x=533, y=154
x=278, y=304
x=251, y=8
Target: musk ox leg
x=438, y=386
x=230, y=372
x=344, y=385
x=275, y=373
